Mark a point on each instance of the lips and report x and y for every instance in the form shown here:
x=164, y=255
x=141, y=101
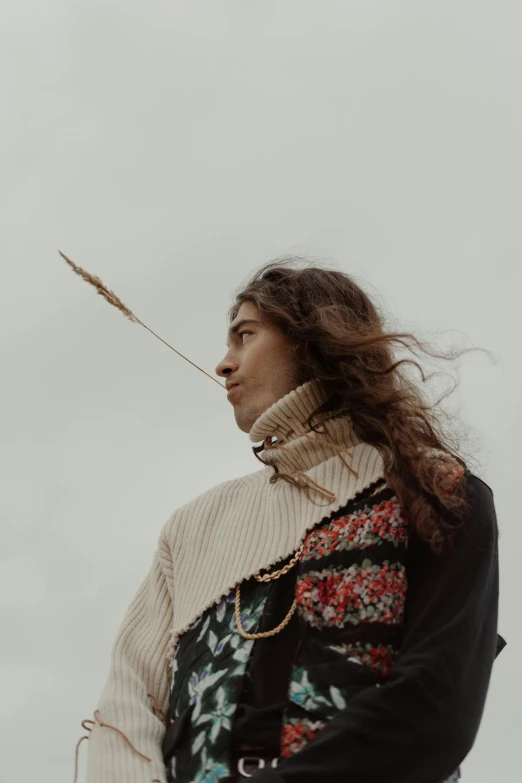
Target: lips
x=231, y=389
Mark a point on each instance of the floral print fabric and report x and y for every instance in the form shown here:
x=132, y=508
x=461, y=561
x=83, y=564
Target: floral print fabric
x=369, y=592
x=321, y=703
x=207, y=674
x=362, y=528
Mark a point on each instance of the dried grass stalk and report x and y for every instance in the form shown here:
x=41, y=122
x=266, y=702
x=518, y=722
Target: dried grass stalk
x=115, y=301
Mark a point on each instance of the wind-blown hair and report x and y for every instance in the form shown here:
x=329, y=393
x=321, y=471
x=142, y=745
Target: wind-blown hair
x=340, y=339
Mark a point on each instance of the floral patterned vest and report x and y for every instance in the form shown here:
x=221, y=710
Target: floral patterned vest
x=351, y=580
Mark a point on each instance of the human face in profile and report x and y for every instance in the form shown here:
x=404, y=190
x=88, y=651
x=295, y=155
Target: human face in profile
x=259, y=367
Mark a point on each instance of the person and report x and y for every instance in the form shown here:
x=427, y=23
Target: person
x=333, y=615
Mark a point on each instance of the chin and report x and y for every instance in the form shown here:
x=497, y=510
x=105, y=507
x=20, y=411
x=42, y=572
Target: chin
x=247, y=416
x=242, y=421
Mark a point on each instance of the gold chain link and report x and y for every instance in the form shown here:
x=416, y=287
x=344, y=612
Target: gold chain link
x=282, y=571
x=262, y=634
x=268, y=578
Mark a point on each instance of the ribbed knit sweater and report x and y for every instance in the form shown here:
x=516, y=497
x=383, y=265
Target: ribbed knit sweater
x=225, y=535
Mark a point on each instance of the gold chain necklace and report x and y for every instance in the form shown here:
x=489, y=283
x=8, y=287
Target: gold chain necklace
x=268, y=578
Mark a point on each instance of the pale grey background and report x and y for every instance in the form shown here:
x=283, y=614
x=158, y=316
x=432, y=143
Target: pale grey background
x=171, y=147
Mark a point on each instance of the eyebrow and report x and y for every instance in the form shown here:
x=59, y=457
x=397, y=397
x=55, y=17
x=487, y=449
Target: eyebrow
x=244, y=321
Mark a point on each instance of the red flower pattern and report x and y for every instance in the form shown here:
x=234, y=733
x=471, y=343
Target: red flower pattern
x=361, y=593
x=367, y=526
x=296, y=733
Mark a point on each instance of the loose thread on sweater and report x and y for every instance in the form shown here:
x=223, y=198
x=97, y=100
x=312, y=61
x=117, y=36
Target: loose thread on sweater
x=124, y=736
x=279, y=447
x=339, y=449
x=77, y=751
x=305, y=480
x=102, y=724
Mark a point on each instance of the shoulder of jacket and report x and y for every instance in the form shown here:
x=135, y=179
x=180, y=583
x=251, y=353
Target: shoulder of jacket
x=473, y=479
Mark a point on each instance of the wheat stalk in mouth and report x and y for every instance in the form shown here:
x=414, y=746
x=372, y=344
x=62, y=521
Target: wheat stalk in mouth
x=115, y=301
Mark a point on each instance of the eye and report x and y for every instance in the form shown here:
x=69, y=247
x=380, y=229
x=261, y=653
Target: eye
x=242, y=333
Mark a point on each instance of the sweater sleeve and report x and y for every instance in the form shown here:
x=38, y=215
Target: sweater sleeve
x=138, y=668
x=420, y=724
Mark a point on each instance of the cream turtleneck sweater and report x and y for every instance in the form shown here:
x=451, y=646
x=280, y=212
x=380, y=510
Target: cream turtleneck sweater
x=220, y=538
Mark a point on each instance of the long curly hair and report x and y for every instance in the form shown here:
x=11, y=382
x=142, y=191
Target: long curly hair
x=340, y=339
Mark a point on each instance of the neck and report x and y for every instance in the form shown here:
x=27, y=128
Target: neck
x=288, y=442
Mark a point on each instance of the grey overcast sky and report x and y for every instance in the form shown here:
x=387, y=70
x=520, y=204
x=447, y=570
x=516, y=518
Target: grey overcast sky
x=171, y=148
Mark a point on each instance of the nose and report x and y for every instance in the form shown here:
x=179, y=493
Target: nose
x=226, y=367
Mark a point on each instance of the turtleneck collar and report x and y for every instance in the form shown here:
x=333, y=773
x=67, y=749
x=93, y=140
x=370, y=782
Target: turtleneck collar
x=289, y=444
